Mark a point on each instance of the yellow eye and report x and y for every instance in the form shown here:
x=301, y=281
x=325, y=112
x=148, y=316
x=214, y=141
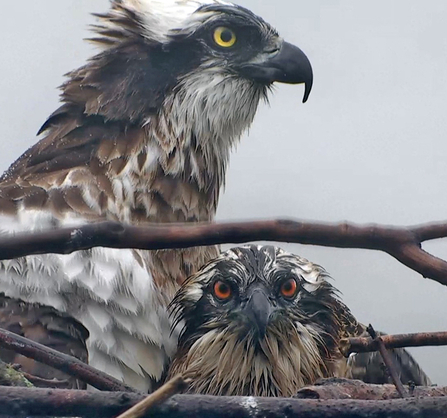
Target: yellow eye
x=224, y=37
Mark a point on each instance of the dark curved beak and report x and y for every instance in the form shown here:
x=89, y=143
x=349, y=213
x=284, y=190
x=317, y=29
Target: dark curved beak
x=289, y=65
x=258, y=310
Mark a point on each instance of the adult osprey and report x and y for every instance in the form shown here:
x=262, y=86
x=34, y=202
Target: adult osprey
x=143, y=135
x=258, y=321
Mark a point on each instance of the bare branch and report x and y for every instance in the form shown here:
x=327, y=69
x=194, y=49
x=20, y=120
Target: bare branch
x=364, y=345
x=169, y=389
x=404, y=243
x=430, y=231
x=389, y=363
x=22, y=402
x=336, y=388
x=45, y=383
x=60, y=361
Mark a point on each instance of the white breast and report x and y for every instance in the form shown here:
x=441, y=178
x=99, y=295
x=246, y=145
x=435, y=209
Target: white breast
x=107, y=290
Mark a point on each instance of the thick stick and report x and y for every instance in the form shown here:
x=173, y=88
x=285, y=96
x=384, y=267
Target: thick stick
x=21, y=402
x=337, y=388
x=421, y=339
x=60, y=361
x=404, y=243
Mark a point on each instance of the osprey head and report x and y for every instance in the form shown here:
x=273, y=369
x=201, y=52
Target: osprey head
x=199, y=44
x=256, y=321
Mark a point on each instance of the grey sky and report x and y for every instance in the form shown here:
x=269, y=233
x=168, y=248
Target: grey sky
x=369, y=146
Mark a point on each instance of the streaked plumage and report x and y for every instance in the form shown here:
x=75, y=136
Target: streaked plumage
x=258, y=321
x=143, y=135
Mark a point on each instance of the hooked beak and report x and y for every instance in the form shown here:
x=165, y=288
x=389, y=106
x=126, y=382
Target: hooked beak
x=288, y=65
x=258, y=310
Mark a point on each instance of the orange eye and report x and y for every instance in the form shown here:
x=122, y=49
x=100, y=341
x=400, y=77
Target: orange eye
x=221, y=290
x=289, y=288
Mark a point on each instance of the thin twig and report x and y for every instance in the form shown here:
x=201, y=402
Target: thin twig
x=176, y=385
x=389, y=363
x=60, y=361
x=366, y=344
x=48, y=383
x=403, y=243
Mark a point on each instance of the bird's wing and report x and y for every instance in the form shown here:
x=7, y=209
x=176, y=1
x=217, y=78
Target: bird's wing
x=68, y=179
x=46, y=326
x=70, y=169
x=370, y=367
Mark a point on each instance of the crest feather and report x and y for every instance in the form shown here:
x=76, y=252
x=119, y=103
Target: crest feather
x=163, y=16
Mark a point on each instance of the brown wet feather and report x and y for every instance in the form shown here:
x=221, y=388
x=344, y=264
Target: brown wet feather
x=45, y=326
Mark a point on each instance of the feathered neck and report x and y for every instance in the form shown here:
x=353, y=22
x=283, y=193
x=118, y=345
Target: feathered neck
x=222, y=363
x=201, y=109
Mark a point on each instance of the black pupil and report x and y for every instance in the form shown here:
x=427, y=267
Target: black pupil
x=287, y=286
x=223, y=288
x=226, y=36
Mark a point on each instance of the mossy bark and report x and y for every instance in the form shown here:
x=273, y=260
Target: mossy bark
x=9, y=376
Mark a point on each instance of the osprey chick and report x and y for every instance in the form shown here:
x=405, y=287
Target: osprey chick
x=143, y=135
x=258, y=321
